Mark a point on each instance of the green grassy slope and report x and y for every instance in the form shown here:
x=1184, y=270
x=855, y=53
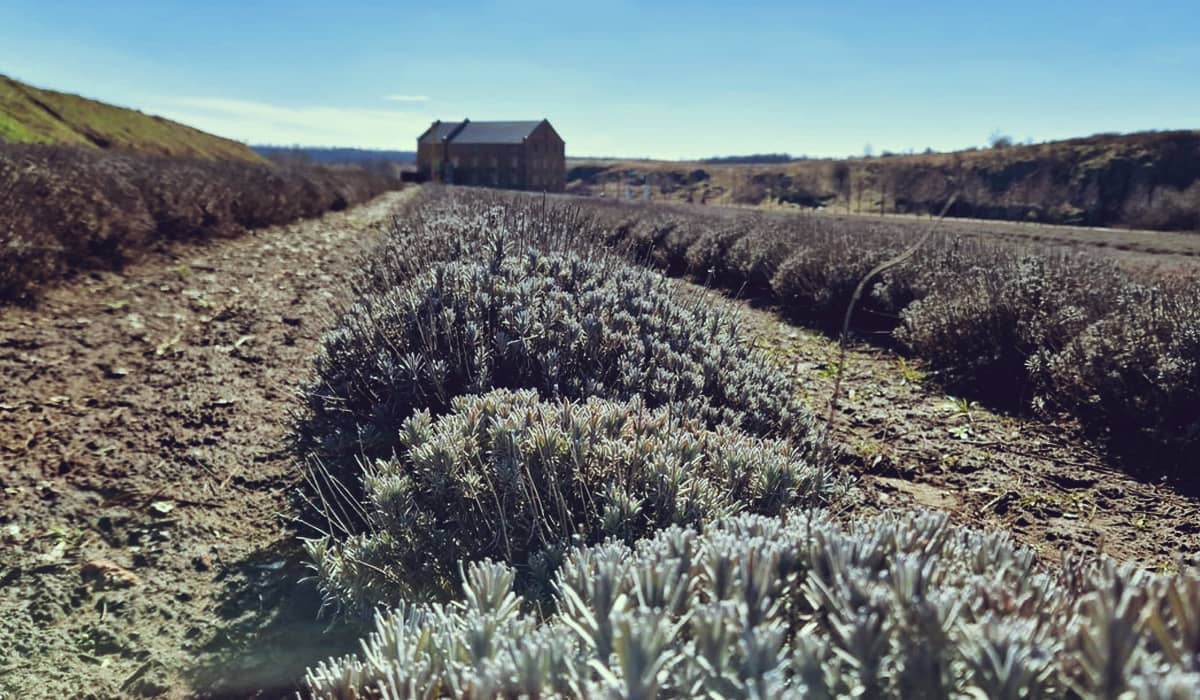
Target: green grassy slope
x=34, y=115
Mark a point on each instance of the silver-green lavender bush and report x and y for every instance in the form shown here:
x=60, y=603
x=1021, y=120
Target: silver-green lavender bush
x=1110, y=345
x=900, y=606
x=509, y=477
x=1066, y=333
x=442, y=224
x=564, y=324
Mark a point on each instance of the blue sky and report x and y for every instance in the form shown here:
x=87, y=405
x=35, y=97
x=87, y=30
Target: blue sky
x=660, y=79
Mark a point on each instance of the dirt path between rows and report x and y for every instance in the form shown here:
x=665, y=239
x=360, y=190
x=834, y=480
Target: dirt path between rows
x=913, y=445
x=142, y=465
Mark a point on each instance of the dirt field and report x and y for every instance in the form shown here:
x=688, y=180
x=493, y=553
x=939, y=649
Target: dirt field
x=143, y=470
x=142, y=426
x=914, y=445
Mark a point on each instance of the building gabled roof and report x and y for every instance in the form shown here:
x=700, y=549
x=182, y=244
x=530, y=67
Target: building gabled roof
x=495, y=132
x=439, y=131
x=468, y=131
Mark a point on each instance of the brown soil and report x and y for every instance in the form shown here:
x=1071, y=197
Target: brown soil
x=143, y=467
x=143, y=419
x=913, y=445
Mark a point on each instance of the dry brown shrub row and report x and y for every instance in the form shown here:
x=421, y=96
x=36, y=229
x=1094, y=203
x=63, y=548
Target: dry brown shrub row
x=64, y=209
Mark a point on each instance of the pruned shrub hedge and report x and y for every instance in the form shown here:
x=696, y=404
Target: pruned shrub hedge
x=509, y=477
x=64, y=209
x=899, y=606
x=1135, y=372
x=811, y=289
x=565, y=325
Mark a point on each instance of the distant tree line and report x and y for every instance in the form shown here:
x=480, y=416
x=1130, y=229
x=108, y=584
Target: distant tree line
x=754, y=158
x=333, y=155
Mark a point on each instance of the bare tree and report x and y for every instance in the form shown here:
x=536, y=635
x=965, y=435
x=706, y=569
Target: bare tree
x=999, y=139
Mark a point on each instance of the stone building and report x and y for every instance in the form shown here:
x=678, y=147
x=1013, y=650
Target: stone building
x=511, y=155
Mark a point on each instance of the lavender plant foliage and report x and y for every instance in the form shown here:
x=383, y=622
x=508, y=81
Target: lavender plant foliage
x=566, y=325
x=903, y=605
x=1025, y=327
x=509, y=477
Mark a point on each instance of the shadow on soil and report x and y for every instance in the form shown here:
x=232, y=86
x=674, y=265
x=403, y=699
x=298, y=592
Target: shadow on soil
x=271, y=629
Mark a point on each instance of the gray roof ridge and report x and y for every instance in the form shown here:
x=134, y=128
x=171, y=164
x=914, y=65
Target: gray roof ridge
x=456, y=130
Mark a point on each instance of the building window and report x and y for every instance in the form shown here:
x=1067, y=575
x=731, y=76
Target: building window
x=454, y=162
x=516, y=161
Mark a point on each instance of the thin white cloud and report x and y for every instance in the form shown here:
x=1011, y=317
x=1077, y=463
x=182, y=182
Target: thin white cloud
x=406, y=98
x=261, y=122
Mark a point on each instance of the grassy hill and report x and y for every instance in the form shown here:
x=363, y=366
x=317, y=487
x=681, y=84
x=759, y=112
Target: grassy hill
x=1144, y=180
x=33, y=115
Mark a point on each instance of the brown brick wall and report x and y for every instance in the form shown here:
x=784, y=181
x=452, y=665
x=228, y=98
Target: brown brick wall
x=547, y=168
x=488, y=165
x=429, y=160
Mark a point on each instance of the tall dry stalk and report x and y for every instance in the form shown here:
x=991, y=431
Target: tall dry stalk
x=858, y=292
